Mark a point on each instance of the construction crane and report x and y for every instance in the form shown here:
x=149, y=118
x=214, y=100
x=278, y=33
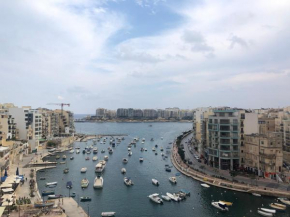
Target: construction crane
x=61, y=104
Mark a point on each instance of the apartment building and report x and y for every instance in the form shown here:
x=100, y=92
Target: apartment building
x=66, y=122
x=266, y=125
x=8, y=129
x=264, y=154
x=100, y=113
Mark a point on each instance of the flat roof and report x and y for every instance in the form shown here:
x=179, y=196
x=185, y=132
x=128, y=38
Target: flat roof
x=230, y=110
x=3, y=148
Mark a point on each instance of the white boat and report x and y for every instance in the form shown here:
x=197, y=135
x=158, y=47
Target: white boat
x=85, y=183
x=155, y=182
x=99, y=167
x=161, y=138
x=265, y=213
x=83, y=170
x=64, y=157
x=145, y=149
x=143, y=140
x=269, y=210
x=173, y=197
x=129, y=149
x=72, y=151
x=54, y=196
x=125, y=160
x=257, y=195
x=221, y=206
x=95, y=158
x=108, y=213
x=173, y=179
x=130, y=153
x=141, y=159
x=155, y=198
x=77, y=151
x=103, y=151
x=106, y=158
x=95, y=151
x=128, y=181
x=153, y=149
x=284, y=200
x=50, y=183
x=278, y=206
x=205, y=185
x=123, y=171
x=164, y=197
x=98, y=183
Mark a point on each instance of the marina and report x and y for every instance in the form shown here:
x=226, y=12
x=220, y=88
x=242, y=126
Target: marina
x=116, y=196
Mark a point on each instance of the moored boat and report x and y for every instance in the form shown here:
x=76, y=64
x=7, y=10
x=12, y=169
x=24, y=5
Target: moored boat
x=44, y=203
x=123, y=171
x=173, y=197
x=269, y=210
x=227, y=203
x=278, y=206
x=265, y=213
x=106, y=158
x=85, y=183
x=125, y=160
x=69, y=185
x=50, y=183
x=284, y=200
x=71, y=158
x=155, y=198
x=83, y=170
x=257, y=195
x=141, y=159
x=100, y=167
x=220, y=206
x=128, y=181
x=164, y=197
x=45, y=193
x=64, y=157
x=173, y=179
x=54, y=196
x=84, y=199
x=108, y=213
x=98, y=183
x=155, y=182
x=66, y=170
x=205, y=185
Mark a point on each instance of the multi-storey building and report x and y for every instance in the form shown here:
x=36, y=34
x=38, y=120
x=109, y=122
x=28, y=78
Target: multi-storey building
x=264, y=153
x=266, y=125
x=66, y=122
x=8, y=128
x=137, y=113
x=150, y=113
x=100, y=113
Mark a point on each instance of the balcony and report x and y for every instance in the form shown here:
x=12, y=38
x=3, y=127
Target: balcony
x=269, y=156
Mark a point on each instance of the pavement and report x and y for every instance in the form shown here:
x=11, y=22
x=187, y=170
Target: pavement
x=261, y=182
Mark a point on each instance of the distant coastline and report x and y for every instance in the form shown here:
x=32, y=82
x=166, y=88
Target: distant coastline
x=131, y=121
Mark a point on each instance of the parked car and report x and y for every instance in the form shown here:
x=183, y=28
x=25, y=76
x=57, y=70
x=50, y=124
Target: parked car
x=199, y=160
x=189, y=162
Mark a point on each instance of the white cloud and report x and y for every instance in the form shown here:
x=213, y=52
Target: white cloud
x=60, y=98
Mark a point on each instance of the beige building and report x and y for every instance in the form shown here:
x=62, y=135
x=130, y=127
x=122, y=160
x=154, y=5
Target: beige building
x=264, y=153
x=266, y=125
x=8, y=130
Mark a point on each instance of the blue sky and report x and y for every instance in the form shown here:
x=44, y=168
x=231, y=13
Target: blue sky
x=145, y=53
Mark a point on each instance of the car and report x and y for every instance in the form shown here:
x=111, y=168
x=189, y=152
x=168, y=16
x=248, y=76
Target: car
x=197, y=158
x=199, y=161
x=189, y=162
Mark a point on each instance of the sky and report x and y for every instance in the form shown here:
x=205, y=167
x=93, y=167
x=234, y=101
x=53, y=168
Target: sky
x=145, y=53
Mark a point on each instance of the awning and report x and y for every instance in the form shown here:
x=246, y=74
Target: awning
x=5, y=190
x=8, y=196
x=1, y=210
x=6, y=185
x=5, y=203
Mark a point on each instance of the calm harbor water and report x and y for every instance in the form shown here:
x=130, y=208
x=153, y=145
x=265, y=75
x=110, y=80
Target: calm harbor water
x=133, y=201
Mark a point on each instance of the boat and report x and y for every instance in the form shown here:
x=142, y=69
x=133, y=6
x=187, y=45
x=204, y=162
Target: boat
x=69, y=185
x=156, y=145
x=153, y=149
x=173, y=197
x=42, y=178
x=227, y=203
x=167, y=169
x=145, y=149
x=99, y=167
x=110, y=151
x=161, y=138
x=108, y=213
x=64, y=157
x=125, y=160
x=88, y=152
x=141, y=159
x=129, y=149
x=161, y=149
x=265, y=213
x=268, y=210
x=77, y=151
x=48, y=192
x=164, y=197
x=205, y=185
x=130, y=153
x=72, y=151
x=44, y=203
x=85, y=183
x=98, y=183
x=84, y=199
x=106, y=158
x=278, y=206
x=143, y=140
x=87, y=158
x=128, y=181
x=95, y=158
x=53, y=196
x=84, y=151
x=284, y=200
x=73, y=194
x=50, y=183
x=103, y=151
x=151, y=139
x=156, y=153
x=155, y=198
x=257, y=195
x=123, y=171
x=83, y=170
x=220, y=206
x=95, y=151
x=66, y=170
x=173, y=179
x=155, y=182
x=71, y=158
x=57, y=157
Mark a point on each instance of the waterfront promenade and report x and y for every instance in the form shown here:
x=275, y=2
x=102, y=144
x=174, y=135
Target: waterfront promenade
x=205, y=173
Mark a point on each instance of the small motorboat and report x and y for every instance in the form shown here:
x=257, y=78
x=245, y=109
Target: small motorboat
x=153, y=149
x=129, y=149
x=257, y=195
x=66, y=170
x=95, y=151
x=69, y=185
x=265, y=213
x=156, y=153
x=71, y=158
x=98, y=183
x=167, y=169
x=50, y=183
x=284, y=200
x=125, y=160
x=72, y=151
x=141, y=159
x=268, y=210
x=49, y=192
x=73, y=194
x=173, y=179
x=103, y=151
x=155, y=198
x=42, y=178
x=85, y=183
x=130, y=153
x=156, y=146
x=128, y=181
x=220, y=206
x=57, y=157
x=83, y=170
x=85, y=199
x=173, y=197
x=108, y=213
x=87, y=158
x=278, y=206
x=164, y=197
x=44, y=203
x=155, y=182
x=110, y=151
x=88, y=152
x=54, y=196
x=205, y=185
x=95, y=158
x=123, y=171
x=64, y=157
x=145, y=149
x=84, y=151
x=77, y=151
x=227, y=203
x=106, y=158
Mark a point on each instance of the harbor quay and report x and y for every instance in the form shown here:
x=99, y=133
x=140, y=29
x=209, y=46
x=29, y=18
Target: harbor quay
x=206, y=175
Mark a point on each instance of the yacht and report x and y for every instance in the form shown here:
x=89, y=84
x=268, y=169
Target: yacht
x=95, y=158
x=98, y=183
x=221, y=206
x=106, y=158
x=99, y=167
x=173, y=197
x=155, y=198
x=77, y=151
x=95, y=151
x=155, y=182
x=125, y=160
x=64, y=157
x=173, y=179
x=128, y=181
x=83, y=170
x=141, y=159
x=123, y=171
x=130, y=153
x=85, y=183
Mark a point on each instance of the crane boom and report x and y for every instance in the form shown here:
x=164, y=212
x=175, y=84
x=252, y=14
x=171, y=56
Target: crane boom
x=61, y=104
